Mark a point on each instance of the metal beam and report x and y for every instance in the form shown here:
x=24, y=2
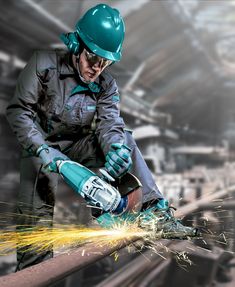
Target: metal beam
x=196, y=205
x=217, y=206
x=130, y=8
x=56, y=269
x=128, y=86
x=40, y=10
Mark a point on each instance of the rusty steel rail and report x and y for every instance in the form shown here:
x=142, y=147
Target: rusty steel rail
x=227, y=205
x=144, y=263
x=58, y=268
x=154, y=273
x=148, y=265
x=136, y=266
x=198, y=204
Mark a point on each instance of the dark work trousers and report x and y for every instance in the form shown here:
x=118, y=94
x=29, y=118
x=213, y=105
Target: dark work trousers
x=37, y=189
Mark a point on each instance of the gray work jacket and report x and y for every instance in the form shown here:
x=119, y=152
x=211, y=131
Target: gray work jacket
x=51, y=104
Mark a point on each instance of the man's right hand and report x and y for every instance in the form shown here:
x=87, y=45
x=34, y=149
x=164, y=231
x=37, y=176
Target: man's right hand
x=49, y=156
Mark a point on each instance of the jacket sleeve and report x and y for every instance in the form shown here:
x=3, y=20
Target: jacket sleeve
x=22, y=110
x=110, y=126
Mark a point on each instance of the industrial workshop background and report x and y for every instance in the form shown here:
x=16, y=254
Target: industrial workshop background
x=177, y=81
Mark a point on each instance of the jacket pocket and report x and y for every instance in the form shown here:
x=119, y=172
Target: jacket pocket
x=72, y=112
x=88, y=113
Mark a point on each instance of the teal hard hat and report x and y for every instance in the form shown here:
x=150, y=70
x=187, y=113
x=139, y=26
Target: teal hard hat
x=102, y=30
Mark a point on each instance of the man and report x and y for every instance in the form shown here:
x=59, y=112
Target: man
x=57, y=97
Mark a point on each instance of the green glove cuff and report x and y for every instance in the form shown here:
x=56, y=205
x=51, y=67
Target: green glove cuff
x=41, y=148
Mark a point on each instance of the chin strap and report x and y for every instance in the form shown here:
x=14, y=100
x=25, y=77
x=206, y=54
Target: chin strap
x=94, y=87
x=79, y=73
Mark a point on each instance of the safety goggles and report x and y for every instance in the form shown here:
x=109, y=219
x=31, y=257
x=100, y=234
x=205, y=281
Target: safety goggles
x=93, y=59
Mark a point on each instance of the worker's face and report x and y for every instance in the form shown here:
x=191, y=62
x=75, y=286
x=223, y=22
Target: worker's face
x=91, y=65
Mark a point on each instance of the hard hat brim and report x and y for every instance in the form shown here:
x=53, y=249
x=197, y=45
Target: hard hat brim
x=113, y=56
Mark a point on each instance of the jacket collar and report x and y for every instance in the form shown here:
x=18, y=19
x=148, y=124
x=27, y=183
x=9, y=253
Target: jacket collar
x=66, y=68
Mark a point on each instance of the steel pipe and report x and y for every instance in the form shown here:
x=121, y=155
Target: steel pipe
x=56, y=269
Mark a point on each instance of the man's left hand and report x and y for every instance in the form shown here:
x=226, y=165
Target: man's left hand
x=118, y=160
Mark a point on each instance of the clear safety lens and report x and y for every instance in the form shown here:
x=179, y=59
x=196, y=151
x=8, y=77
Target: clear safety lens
x=93, y=59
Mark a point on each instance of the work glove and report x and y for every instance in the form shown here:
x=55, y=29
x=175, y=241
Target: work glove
x=118, y=160
x=161, y=204
x=49, y=156
x=108, y=220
